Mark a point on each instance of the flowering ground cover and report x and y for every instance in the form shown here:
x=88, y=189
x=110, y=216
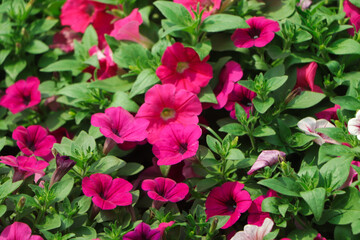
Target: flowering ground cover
x=184, y=119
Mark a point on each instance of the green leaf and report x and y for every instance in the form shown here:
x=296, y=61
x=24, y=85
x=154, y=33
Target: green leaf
x=329, y=151
x=62, y=189
x=77, y=90
x=336, y=171
x=300, y=139
x=355, y=227
x=42, y=25
x=84, y=233
x=2, y=142
x=262, y=106
x=240, y=113
x=112, y=84
x=203, y=49
x=83, y=146
x=275, y=82
x=305, y=100
x=235, y=155
x=49, y=222
x=144, y=81
x=3, y=55
x=347, y=102
x=207, y=95
x=175, y=12
x=90, y=37
x=8, y=187
x=130, y=54
x=130, y=169
x=283, y=185
x=206, y=184
x=249, y=84
x=283, y=209
x=3, y=209
x=107, y=165
x=335, y=133
x=270, y=205
x=263, y=131
x=344, y=47
x=303, y=234
x=221, y=22
x=123, y=100
x=14, y=67
x=36, y=47
x=315, y=199
x=213, y=144
x=356, y=3
x=64, y=65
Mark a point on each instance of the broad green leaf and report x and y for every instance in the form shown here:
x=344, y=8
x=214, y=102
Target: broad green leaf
x=36, y=47
x=262, y=106
x=249, y=84
x=112, y=84
x=64, y=65
x=329, y=151
x=90, y=37
x=276, y=82
x=270, y=205
x=207, y=95
x=107, y=165
x=336, y=171
x=356, y=3
x=213, y=144
x=203, y=49
x=123, y=100
x=305, y=100
x=8, y=187
x=335, y=133
x=206, y=184
x=347, y=102
x=130, y=169
x=50, y=221
x=131, y=54
x=344, y=47
x=14, y=67
x=355, y=227
x=263, y=131
x=315, y=199
x=144, y=81
x=283, y=185
x=3, y=54
x=221, y=22
x=2, y=142
x=3, y=209
x=303, y=234
x=62, y=189
x=42, y=25
x=175, y=12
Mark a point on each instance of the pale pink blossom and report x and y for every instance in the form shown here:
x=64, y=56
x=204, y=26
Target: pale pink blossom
x=267, y=158
x=354, y=125
x=253, y=232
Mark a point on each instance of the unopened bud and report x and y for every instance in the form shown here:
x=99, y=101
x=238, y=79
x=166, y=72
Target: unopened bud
x=292, y=95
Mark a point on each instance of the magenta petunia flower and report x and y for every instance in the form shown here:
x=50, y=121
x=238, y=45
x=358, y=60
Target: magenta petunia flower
x=118, y=124
x=24, y=167
x=34, y=140
x=209, y=6
x=256, y=215
x=230, y=74
x=261, y=32
x=267, y=158
x=306, y=76
x=18, y=231
x=176, y=142
x=353, y=13
x=164, y=104
x=143, y=231
x=21, y=95
x=108, y=67
x=240, y=95
x=182, y=66
x=353, y=175
x=329, y=113
x=165, y=189
x=107, y=193
x=65, y=39
x=162, y=226
x=229, y=199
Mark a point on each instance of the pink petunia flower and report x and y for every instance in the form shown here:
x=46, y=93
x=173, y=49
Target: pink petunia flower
x=319, y=237
x=164, y=104
x=143, y=231
x=354, y=125
x=119, y=125
x=305, y=78
x=176, y=143
x=21, y=95
x=182, y=67
x=34, y=140
x=229, y=199
x=304, y=4
x=329, y=113
x=267, y=158
x=24, y=167
x=261, y=32
x=253, y=232
x=108, y=67
x=107, y=193
x=309, y=125
x=230, y=74
x=353, y=175
x=352, y=12
x=165, y=189
x=209, y=6
x=162, y=226
x=256, y=215
x=240, y=95
x=18, y=231
x=65, y=39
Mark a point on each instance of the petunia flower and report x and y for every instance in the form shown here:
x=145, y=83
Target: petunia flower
x=165, y=189
x=119, y=125
x=229, y=199
x=164, y=104
x=24, y=167
x=143, y=231
x=209, y=6
x=18, y=231
x=319, y=237
x=34, y=140
x=354, y=125
x=107, y=193
x=329, y=113
x=240, y=95
x=256, y=215
x=353, y=175
x=182, y=67
x=21, y=95
x=65, y=39
x=253, y=232
x=108, y=67
x=63, y=165
x=304, y=4
x=261, y=32
x=162, y=226
x=309, y=125
x=267, y=158
x=352, y=12
x=305, y=78
x=176, y=142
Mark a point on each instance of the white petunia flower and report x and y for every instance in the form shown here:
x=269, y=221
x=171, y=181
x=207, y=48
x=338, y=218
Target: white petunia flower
x=354, y=125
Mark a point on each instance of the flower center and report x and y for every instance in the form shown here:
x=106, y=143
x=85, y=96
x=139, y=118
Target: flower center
x=254, y=33
x=182, y=148
x=246, y=102
x=167, y=113
x=90, y=9
x=208, y=5
x=26, y=100
x=231, y=205
x=182, y=66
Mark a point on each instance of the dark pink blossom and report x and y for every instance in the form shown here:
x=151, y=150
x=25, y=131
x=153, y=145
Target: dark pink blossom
x=164, y=225
x=319, y=237
x=353, y=13
x=34, y=140
x=305, y=78
x=107, y=193
x=256, y=215
x=259, y=34
x=18, y=231
x=143, y=231
x=353, y=175
x=165, y=189
x=267, y=158
x=108, y=67
x=182, y=67
x=209, y=6
x=176, y=142
x=229, y=199
x=119, y=125
x=329, y=113
x=242, y=96
x=164, y=104
x=24, y=167
x=60, y=133
x=65, y=39
x=21, y=95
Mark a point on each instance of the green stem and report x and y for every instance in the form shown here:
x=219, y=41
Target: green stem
x=211, y=131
